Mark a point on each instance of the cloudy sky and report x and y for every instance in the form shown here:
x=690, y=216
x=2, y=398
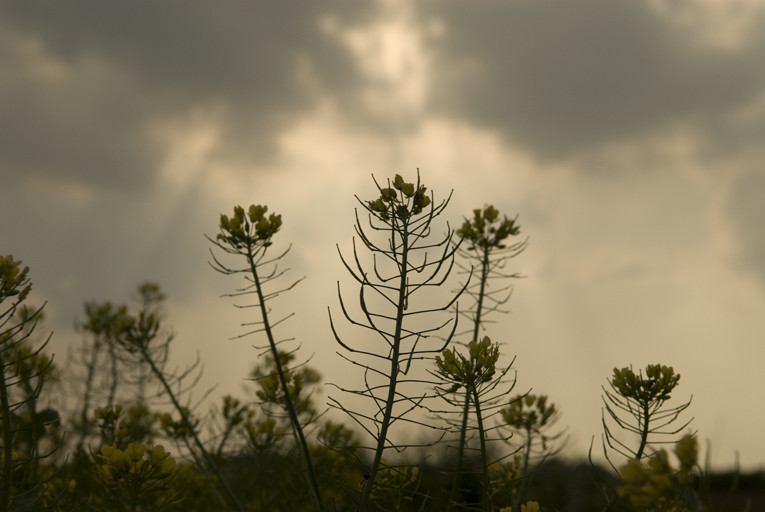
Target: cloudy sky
x=627, y=137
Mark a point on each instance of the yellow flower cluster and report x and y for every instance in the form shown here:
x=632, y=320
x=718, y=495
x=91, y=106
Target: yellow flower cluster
x=404, y=199
x=263, y=434
x=528, y=412
x=116, y=463
x=177, y=429
x=393, y=481
x=477, y=368
x=658, y=383
x=657, y=485
x=109, y=416
x=249, y=229
x=486, y=231
x=135, y=474
x=58, y=494
x=506, y=475
x=13, y=279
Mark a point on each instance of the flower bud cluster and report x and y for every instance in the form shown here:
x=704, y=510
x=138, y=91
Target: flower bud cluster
x=28, y=363
x=13, y=279
x=234, y=412
x=506, y=474
x=528, y=412
x=479, y=367
x=136, y=473
x=657, y=485
x=486, y=231
x=57, y=488
x=263, y=434
x=249, y=229
x=403, y=200
x=107, y=321
x=178, y=429
x=139, y=331
x=656, y=385
x=109, y=416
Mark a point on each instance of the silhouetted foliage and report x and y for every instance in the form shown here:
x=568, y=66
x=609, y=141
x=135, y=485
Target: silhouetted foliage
x=134, y=440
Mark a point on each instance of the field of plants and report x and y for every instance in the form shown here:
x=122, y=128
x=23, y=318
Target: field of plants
x=135, y=441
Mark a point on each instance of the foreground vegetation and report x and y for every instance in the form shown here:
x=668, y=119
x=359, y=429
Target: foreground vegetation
x=135, y=441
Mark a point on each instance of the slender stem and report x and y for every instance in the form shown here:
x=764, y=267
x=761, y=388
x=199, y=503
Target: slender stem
x=5, y=482
x=466, y=410
x=481, y=293
x=485, y=483
x=91, y=370
x=115, y=374
x=460, y=451
x=394, y=370
x=297, y=429
x=525, y=477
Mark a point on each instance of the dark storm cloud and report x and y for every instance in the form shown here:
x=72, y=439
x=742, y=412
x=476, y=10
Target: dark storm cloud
x=83, y=87
x=86, y=130
x=263, y=64
x=560, y=77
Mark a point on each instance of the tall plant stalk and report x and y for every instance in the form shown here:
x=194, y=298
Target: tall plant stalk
x=401, y=266
x=636, y=404
x=250, y=235
x=483, y=255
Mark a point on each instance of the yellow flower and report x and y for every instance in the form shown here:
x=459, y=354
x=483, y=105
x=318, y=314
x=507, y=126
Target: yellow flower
x=687, y=451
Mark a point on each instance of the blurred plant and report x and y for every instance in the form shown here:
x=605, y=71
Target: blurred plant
x=505, y=476
x=656, y=485
x=25, y=370
x=61, y=495
x=396, y=486
x=335, y=457
x=137, y=425
x=531, y=418
x=142, y=340
x=477, y=374
x=234, y=415
x=401, y=266
x=486, y=252
x=134, y=479
x=249, y=235
x=101, y=371
x=529, y=506
x=299, y=379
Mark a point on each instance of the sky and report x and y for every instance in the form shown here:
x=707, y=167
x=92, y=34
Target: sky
x=626, y=137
